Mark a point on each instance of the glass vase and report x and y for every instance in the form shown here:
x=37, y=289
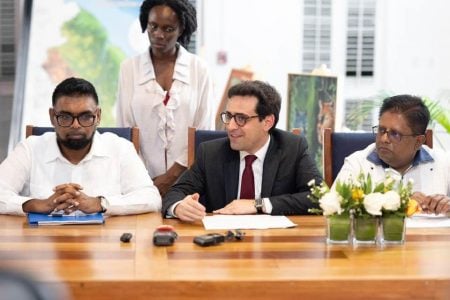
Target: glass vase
x=393, y=228
x=365, y=229
x=338, y=229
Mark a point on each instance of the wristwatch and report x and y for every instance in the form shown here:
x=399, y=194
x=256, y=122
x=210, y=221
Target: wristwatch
x=259, y=206
x=103, y=203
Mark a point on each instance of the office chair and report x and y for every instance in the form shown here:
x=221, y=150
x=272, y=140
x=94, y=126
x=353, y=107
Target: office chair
x=129, y=133
x=195, y=137
x=338, y=145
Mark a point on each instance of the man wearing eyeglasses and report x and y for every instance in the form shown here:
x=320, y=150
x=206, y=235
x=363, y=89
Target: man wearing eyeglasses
x=76, y=168
x=256, y=169
x=399, y=151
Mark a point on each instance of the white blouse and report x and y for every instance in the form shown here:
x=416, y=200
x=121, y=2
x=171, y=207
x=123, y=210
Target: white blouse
x=164, y=128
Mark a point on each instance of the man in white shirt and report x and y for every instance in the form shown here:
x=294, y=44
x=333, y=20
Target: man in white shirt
x=75, y=167
x=400, y=153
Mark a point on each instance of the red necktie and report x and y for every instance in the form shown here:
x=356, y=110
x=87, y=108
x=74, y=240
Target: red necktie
x=248, y=181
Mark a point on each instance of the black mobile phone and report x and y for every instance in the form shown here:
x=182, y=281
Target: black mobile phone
x=209, y=239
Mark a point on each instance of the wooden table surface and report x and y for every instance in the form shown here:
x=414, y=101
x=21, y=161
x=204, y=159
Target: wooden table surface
x=293, y=263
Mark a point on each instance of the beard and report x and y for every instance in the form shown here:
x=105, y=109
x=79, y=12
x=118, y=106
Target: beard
x=75, y=144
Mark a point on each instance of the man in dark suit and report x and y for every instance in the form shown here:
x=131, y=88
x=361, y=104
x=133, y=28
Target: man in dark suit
x=256, y=169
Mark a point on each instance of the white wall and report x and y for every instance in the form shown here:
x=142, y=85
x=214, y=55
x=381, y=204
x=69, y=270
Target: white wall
x=415, y=51
x=259, y=34
x=412, y=46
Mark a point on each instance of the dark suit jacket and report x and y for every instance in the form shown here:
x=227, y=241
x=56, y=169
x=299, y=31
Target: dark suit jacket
x=287, y=169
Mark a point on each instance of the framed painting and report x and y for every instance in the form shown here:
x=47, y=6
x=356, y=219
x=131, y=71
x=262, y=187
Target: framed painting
x=236, y=76
x=311, y=107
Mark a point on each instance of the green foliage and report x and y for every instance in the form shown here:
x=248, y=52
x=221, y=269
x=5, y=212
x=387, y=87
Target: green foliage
x=438, y=113
x=89, y=55
x=358, y=114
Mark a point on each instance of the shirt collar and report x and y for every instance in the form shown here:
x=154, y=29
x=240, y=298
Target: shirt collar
x=260, y=154
x=422, y=156
x=97, y=149
x=181, y=70
x=53, y=151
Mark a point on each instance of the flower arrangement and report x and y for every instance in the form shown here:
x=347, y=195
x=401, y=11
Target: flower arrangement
x=361, y=197
x=365, y=202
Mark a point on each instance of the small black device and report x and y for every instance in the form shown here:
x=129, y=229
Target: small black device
x=164, y=235
x=126, y=237
x=210, y=239
x=234, y=235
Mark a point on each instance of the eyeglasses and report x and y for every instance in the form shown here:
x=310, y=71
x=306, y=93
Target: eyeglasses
x=393, y=135
x=66, y=120
x=240, y=119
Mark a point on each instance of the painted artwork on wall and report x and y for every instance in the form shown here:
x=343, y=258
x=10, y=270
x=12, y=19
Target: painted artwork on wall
x=312, y=107
x=236, y=76
x=80, y=38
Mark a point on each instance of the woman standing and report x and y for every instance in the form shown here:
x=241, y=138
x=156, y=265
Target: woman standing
x=165, y=90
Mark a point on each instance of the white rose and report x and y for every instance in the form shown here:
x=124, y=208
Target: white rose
x=373, y=203
x=331, y=203
x=391, y=201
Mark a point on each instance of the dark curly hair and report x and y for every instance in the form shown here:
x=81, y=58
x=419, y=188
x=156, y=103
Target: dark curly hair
x=187, y=16
x=269, y=100
x=412, y=108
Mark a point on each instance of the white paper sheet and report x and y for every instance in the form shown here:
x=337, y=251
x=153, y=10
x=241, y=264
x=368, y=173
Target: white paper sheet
x=246, y=222
x=428, y=221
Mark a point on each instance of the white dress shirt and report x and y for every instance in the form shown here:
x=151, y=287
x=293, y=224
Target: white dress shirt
x=163, y=128
x=430, y=169
x=112, y=169
x=257, y=167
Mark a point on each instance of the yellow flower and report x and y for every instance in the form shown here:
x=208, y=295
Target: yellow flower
x=357, y=194
x=412, y=208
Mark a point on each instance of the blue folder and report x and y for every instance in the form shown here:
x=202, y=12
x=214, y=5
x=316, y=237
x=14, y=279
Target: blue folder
x=45, y=219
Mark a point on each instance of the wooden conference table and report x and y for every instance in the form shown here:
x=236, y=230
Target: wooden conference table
x=268, y=264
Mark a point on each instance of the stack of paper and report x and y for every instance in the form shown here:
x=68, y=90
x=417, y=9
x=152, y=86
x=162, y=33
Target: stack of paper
x=246, y=222
x=428, y=221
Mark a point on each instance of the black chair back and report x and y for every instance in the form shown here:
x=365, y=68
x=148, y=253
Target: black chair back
x=208, y=135
x=344, y=144
x=129, y=133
